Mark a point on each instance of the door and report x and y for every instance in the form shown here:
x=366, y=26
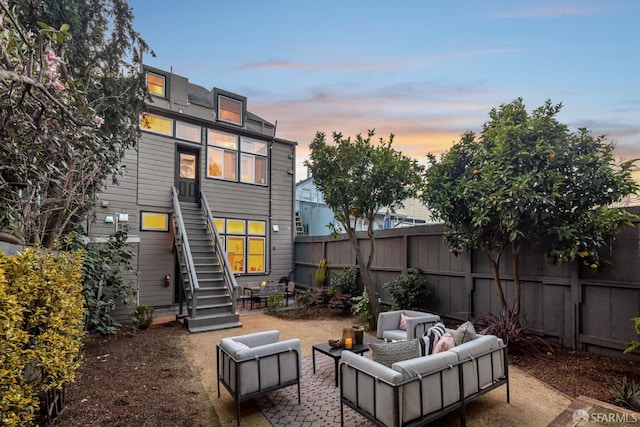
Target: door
x=187, y=174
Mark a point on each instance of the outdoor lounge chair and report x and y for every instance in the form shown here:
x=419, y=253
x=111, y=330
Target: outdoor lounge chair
x=417, y=324
x=254, y=364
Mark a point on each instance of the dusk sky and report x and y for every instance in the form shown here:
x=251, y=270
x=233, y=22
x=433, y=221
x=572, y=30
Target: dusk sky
x=425, y=71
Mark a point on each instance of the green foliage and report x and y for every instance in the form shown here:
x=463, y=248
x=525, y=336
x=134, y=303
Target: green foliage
x=409, y=292
x=321, y=272
x=142, y=316
x=627, y=394
x=347, y=281
x=362, y=307
x=508, y=327
x=340, y=303
x=527, y=178
x=72, y=89
x=104, y=286
x=275, y=303
x=634, y=345
x=41, y=324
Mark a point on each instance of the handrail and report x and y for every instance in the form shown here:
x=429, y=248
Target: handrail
x=181, y=233
x=229, y=278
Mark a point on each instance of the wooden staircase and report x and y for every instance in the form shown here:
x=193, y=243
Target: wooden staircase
x=210, y=304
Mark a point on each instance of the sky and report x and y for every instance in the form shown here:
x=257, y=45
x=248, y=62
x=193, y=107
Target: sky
x=425, y=71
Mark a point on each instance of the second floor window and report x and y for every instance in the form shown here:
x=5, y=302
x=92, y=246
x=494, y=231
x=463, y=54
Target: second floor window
x=254, y=161
x=222, y=155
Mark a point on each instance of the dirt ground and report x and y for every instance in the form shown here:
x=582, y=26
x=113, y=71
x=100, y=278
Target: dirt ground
x=165, y=376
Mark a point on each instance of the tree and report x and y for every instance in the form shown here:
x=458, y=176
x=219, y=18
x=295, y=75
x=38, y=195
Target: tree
x=71, y=91
x=357, y=178
x=528, y=179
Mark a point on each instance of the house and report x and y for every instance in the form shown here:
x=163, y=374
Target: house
x=208, y=200
x=314, y=216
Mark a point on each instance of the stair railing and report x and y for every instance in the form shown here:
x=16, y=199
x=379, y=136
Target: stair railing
x=182, y=245
x=229, y=278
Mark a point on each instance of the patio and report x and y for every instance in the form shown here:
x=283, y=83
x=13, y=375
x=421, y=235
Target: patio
x=532, y=402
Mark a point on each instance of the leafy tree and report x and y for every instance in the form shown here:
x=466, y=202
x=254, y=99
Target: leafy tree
x=71, y=91
x=357, y=178
x=528, y=179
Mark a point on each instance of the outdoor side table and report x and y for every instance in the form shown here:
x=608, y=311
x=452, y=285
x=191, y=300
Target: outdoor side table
x=336, y=353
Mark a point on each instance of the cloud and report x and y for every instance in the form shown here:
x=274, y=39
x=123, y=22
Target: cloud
x=317, y=66
x=552, y=10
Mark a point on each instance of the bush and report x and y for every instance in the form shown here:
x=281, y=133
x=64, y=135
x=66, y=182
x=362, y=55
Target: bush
x=142, y=316
x=627, y=394
x=104, y=287
x=634, y=345
x=409, y=292
x=275, y=302
x=41, y=324
x=321, y=272
x=347, y=282
x=362, y=307
x=508, y=327
x=341, y=303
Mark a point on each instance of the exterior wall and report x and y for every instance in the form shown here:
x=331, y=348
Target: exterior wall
x=149, y=175
x=569, y=304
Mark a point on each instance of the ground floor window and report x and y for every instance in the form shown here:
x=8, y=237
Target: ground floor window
x=245, y=243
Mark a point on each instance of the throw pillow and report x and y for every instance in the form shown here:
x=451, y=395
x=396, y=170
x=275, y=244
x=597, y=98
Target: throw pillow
x=403, y=322
x=431, y=338
x=242, y=345
x=388, y=353
x=465, y=332
x=445, y=343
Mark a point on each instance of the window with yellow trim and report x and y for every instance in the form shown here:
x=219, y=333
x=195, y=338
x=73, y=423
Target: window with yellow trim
x=156, y=84
x=219, y=222
x=256, y=228
x=157, y=124
x=235, y=226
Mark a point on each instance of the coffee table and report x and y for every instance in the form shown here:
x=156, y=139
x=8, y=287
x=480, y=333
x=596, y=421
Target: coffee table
x=336, y=353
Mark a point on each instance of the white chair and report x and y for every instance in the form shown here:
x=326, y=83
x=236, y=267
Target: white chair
x=418, y=323
x=254, y=364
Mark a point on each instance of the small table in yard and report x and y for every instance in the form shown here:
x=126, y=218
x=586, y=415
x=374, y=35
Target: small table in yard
x=336, y=353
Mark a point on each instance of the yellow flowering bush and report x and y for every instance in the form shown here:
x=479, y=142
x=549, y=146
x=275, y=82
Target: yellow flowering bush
x=41, y=325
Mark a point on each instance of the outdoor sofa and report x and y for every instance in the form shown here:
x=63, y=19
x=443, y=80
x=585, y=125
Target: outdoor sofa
x=416, y=391
x=254, y=364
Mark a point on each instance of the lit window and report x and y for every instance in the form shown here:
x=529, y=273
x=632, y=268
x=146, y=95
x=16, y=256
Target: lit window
x=156, y=124
x=254, y=164
x=229, y=110
x=152, y=221
x=188, y=131
x=246, y=244
x=235, y=253
x=221, y=163
x=256, y=255
x=155, y=84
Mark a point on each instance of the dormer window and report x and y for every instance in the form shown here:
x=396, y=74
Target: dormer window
x=229, y=110
x=156, y=84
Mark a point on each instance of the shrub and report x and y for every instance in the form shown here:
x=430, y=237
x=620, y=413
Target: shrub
x=508, y=327
x=362, y=307
x=409, y=292
x=275, y=302
x=41, y=324
x=347, y=281
x=142, y=316
x=627, y=394
x=321, y=272
x=341, y=303
x=104, y=287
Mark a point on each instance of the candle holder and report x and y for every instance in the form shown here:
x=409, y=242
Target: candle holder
x=347, y=334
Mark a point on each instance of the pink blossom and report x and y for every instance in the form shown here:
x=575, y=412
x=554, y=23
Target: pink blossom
x=52, y=58
x=56, y=85
x=98, y=121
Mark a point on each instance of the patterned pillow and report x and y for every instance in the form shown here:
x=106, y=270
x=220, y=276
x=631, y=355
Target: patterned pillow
x=445, y=343
x=388, y=353
x=403, y=322
x=430, y=339
x=465, y=332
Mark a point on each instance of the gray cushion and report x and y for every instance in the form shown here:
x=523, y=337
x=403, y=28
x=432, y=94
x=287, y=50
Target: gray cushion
x=388, y=353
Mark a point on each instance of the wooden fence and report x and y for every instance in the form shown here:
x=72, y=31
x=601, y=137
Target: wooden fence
x=570, y=304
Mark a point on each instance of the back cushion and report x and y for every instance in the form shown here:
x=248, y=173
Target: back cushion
x=388, y=353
